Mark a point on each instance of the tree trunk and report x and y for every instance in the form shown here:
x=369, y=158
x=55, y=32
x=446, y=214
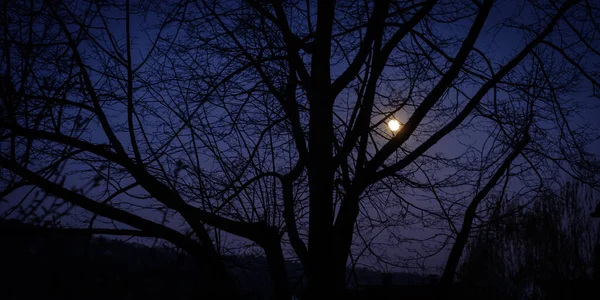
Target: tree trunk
x=320, y=166
x=277, y=270
x=320, y=244
x=215, y=281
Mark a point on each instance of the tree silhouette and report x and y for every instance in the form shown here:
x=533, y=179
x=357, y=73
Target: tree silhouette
x=531, y=250
x=266, y=120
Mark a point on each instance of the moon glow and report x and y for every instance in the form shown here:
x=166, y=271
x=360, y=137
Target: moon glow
x=394, y=125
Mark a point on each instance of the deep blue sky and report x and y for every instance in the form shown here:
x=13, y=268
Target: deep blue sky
x=501, y=46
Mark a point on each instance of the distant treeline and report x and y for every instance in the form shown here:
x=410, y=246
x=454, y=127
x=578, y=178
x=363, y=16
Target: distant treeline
x=49, y=263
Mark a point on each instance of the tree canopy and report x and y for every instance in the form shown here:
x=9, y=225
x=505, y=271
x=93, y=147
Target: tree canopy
x=196, y=121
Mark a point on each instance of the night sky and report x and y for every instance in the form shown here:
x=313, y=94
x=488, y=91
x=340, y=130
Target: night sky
x=498, y=44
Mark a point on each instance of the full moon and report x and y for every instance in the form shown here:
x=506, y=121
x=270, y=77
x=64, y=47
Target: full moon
x=394, y=125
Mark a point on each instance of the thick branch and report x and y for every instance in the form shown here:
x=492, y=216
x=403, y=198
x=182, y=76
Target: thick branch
x=374, y=29
x=37, y=230
x=102, y=209
x=379, y=61
x=471, y=105
x=471, y=212
x=435, y=94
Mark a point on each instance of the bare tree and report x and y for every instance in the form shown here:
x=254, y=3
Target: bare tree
x=266, y=120
x=551, y=239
